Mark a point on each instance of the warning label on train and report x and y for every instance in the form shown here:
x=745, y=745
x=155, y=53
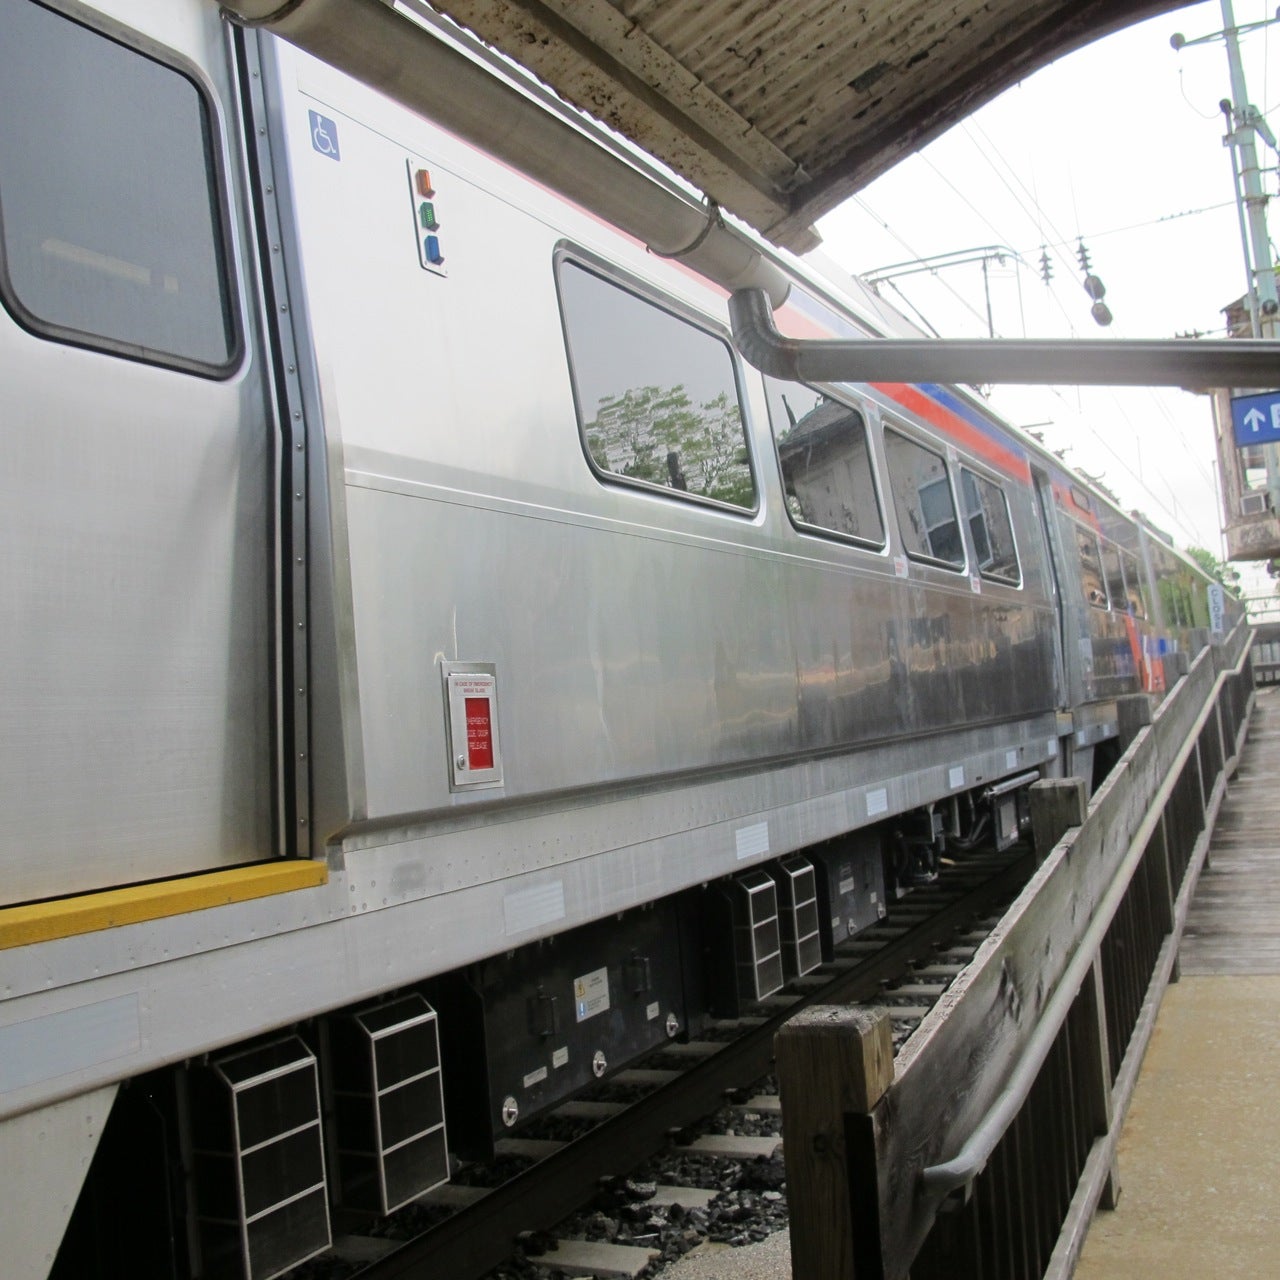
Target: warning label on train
x=591, y=994
x=479, y=733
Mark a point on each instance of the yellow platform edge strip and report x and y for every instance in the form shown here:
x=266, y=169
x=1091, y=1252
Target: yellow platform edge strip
x=90, y=912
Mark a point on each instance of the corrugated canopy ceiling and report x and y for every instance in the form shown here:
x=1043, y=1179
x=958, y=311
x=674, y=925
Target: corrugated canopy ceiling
x=781, y=109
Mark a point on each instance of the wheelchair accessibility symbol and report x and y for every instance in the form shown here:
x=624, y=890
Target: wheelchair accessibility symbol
x=324, y=135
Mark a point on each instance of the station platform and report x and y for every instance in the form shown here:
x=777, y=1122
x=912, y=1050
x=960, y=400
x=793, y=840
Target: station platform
x=1199, y=1154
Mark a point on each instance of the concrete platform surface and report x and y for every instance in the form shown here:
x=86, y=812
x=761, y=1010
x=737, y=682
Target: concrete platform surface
x=768, y=1260
x=1199, y=1154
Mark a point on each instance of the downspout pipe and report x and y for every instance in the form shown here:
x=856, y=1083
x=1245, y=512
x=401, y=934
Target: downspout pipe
x=369, y=40
x=1176, y=362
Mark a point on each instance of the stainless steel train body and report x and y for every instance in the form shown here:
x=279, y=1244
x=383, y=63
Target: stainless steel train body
x=403, y=575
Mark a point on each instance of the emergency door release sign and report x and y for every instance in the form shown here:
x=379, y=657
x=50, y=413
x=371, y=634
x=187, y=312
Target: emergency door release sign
x=479, y=713
x=471, y=692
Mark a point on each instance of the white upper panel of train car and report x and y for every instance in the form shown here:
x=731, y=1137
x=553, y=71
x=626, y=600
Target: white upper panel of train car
x=478, y=347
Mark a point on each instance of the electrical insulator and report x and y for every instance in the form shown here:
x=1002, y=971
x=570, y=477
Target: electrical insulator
x=1083, y=254
x=1046, y=267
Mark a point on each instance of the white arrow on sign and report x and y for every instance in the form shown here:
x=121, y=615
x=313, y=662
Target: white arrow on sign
x=1255, y=419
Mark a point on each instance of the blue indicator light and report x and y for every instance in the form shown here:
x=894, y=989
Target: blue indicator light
x=431, y=247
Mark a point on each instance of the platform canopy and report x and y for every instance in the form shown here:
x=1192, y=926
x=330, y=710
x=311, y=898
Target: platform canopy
x=781, y=109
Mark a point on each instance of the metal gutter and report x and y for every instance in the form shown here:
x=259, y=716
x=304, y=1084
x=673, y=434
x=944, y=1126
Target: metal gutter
x=369, y=40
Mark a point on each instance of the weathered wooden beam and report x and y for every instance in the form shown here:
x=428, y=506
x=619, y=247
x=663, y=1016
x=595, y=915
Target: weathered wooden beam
x=951, y=1072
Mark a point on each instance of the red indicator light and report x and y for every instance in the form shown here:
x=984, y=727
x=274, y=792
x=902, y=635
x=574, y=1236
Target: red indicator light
x=479, y=712
x=422, y=180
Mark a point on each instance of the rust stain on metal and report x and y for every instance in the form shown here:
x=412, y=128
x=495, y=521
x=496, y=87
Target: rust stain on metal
x=779, y=112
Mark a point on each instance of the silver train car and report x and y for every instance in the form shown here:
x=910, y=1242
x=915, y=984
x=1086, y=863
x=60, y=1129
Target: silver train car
x=437, y=668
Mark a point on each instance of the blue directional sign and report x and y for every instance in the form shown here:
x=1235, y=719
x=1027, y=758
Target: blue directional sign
x=1256, y=419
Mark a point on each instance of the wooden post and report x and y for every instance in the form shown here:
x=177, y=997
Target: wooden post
x=1133, y=714
x=833, y=1061
x=1057, y=804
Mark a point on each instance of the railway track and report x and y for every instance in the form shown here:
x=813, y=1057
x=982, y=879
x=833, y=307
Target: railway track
x=616, y=1146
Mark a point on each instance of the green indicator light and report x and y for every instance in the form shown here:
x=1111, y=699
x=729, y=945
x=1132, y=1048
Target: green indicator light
x=427, y=216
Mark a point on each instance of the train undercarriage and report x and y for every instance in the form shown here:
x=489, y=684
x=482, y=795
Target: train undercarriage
x=239, y=1163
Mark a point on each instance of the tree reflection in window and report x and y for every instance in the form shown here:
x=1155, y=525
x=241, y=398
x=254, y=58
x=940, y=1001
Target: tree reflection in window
x=1135, y=587
x=1114, y=575
x=987, y=511
x=658, y=436
x=826, y=466
x=1091, y=581
x=922, y=495
x=657, y=394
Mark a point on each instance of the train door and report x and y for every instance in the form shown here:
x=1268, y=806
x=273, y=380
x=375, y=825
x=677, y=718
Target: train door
x=1053, y=556
x=136, y=526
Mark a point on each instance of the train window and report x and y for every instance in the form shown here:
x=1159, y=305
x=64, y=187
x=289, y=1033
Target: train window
x=1175, y=610
x=1114, y=574
x=111, y=222
x=1091, y=580
x=1080, y=498
x=657, y=394
x=1166, y=569
x=826, y=463
x=987, y=512
x=922, y=494
x=1135, y=588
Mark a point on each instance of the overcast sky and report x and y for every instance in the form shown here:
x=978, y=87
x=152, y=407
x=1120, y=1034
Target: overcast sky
x=1121, y=144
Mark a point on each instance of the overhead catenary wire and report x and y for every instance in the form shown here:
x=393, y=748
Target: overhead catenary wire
x=1162, y=509
x=936, y=275
x=1014, y=188
x=990, y=152
x=1146, y=223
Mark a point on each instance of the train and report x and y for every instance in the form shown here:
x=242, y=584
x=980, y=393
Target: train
x=438, y=668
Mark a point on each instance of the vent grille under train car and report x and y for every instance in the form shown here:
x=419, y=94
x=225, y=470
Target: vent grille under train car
x=261, y=1199
x=388, y=1104
x=757, y=942
x=798, y=913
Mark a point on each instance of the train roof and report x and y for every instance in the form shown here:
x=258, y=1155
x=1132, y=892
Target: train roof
x=780, y=112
